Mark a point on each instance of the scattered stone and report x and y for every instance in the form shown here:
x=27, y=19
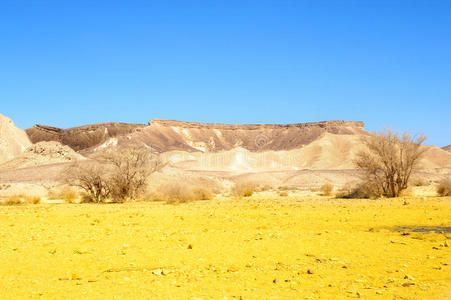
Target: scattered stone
x=407, y=276
x=309, y=271
x=408, y=283
x=190, y=246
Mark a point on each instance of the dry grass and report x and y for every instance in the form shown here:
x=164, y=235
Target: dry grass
x=174, y=193
x=21, y=199
x=326, y=189
x=244, y=189
x=444, y=187
x=67, y=194
x=202, y=193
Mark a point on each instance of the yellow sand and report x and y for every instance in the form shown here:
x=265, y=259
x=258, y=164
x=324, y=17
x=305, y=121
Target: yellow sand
x=226, y=249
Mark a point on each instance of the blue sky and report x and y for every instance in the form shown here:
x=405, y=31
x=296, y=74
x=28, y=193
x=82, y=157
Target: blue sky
x=387, y=63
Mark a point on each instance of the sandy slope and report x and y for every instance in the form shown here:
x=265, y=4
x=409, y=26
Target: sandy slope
x=13, y=141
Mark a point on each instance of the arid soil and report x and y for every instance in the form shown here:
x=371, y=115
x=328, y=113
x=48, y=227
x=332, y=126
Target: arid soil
x=264, y=247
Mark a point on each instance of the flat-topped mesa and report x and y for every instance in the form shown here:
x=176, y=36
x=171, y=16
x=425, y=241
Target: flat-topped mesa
x=323, y=124
x=169, y=135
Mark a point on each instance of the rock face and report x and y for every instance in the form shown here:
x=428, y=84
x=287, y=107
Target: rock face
x=447, y=148
x=167, y=135
x=13, y=141
x=83, y=137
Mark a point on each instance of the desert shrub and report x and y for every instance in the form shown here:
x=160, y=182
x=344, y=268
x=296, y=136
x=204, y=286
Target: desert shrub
x=326, y=189
x=389, y=161
x=283, y=194
x=444, y=188
x=202, y=193
x=243, y=189
x=115, y=176
x=175, y=192
x=287, y=188
x=364, y=190
x=13, y=200
x=265, y=188
x=69, y=195
x=21, y=199
x=32, y=199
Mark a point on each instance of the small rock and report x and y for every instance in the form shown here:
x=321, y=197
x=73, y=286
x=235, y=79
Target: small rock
x=407, y=276
x=190, y=246
x=309, y=271
x=408, y=283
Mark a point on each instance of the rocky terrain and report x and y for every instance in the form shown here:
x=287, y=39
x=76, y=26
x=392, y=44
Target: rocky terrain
x=447, y=148
x=83, y=137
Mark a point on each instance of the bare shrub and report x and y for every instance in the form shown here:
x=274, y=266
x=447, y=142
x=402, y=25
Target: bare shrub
x=68, y=194
x=287, y=188
x=202, y=193
x=175, y=192
x=389, y=161
x=283, y=194
x=326, y=189
x=364, y=190
x=444, y=187
x=13, y=200
x=93, y=178
x=115, y=175
x=244, y=189
x=32, y=199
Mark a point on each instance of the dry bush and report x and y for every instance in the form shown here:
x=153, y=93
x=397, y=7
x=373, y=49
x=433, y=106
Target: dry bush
x=175, y=192
x=93, y=178
x=326, y=189
x=116, y=176
x=202, y=193
x=244, y=189
x=390, y=160
x=13, y=200
x=265, y=188
x=32, y=199
x=68, y=194
x=444, y=187
x=362, y=190
x=287, y=188
x=21, y=199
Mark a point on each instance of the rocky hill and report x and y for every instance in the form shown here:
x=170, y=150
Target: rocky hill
x=83, y=137
x=168, y=135
x=447, y=148
x=13, y=141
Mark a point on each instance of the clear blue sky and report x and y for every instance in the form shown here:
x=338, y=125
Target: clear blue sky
x=68, y=63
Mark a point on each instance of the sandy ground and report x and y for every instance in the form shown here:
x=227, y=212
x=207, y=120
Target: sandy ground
x=258, y=248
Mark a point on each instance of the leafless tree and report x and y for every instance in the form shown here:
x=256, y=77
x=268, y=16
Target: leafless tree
x=389, y=161
x=119, y=174
x=92, y=177
x=130, y=169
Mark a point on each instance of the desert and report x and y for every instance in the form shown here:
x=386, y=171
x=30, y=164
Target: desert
x=253, y=218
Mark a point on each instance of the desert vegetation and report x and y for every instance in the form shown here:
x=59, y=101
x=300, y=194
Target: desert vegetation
x=244, y=189
x=116, y=176
x=444, y=187
x=389, y=162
